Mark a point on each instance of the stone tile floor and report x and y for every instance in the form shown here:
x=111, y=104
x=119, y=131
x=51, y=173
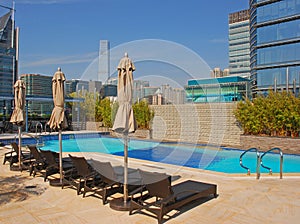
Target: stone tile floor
x=242, y=199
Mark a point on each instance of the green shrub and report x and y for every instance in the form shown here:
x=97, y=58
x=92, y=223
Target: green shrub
x=277, y=114
x=143, y=114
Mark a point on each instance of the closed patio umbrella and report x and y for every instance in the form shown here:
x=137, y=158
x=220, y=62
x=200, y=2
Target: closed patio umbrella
x=57, y=120
x=17, y=116
x=124, y=121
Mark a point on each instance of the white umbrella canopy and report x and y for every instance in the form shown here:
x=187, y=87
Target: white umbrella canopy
x=57, y=119
x=17, y=116
x=124, y=121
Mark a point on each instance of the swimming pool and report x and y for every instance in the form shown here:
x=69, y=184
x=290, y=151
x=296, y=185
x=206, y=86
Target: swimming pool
x=202, y=157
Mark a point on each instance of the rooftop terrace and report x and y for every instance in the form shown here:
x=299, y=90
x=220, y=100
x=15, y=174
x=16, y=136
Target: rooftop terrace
x=242, y=199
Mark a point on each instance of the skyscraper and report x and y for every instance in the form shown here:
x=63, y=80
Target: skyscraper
x=138, y=89
x=239, y=44
x=8, y=62
x=275, y=45
x=104, y=57
x=38, y=86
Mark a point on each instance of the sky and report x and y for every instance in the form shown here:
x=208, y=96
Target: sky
x=166, y=39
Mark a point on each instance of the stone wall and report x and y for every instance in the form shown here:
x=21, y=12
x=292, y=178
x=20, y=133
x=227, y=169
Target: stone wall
x=96, y=126
x=212, y=123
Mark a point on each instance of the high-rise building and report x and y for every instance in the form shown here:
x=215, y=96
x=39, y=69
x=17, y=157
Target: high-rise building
x=226, y=72
x=38, y=86
x=216, y=73
x=70, y=86
x=151, y=90
x=95, y=86
x=75, y=85
x=138, y=89
x=275, y=45
x=239, y=44
x=104, y=58
x=8, y=61
x=108, y=90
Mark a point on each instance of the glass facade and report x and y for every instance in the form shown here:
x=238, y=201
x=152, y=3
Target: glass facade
x=239, y=44
x=38, y=86
x=275, y=45
x=75, y=85
x=138, y=89
x=225, y=89
x=7, y=62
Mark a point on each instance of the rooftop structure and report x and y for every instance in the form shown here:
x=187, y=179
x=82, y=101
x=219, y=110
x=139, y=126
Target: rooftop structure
x=225, y=89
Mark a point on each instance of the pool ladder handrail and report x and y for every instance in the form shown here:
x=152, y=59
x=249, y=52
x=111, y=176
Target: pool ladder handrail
x=36, y=137
x=257, y=161
x=269, y=168
x=36, y=127
x=46, y=128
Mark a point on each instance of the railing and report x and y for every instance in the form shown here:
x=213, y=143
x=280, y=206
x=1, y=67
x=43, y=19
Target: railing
x=36, y=127
x=257, y=162
x=281, y=160
x=46, y=128
x=38, y=138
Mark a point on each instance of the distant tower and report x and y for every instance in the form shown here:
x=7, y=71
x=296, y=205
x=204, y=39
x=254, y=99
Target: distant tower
x=239, y=43
x=104, y=57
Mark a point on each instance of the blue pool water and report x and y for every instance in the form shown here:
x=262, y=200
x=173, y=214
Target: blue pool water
x=225, y=160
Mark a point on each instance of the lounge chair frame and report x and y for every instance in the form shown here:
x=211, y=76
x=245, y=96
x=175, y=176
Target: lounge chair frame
x=13, y=157
x=39, y=164
x=90, y=180
x=161, y=198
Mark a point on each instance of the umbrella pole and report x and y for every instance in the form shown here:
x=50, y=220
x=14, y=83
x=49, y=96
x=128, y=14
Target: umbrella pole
x=60, y=155
x=123, y=203
x=125, y=167
x=20, y=146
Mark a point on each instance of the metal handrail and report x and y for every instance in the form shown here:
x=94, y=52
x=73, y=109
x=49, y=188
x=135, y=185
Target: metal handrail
x=36, y=137
x=257, y=161
x=36, y=126
x=46, y=128
x=281, y=160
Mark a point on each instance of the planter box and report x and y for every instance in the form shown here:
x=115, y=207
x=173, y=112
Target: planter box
x=288, y=145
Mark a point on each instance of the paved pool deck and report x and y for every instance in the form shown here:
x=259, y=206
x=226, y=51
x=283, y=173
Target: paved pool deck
x=242, y=198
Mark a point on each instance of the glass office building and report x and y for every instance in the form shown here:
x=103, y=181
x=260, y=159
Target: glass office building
x=275, y=45
x=7, y=62
x=239, y=44
x=75, y=85
x=39, y=86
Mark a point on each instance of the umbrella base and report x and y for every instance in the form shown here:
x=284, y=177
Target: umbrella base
x=119, y=204
x=16, y=168
x=55, y=183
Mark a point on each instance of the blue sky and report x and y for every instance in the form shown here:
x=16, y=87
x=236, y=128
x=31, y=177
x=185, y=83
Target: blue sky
x=66, y=33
